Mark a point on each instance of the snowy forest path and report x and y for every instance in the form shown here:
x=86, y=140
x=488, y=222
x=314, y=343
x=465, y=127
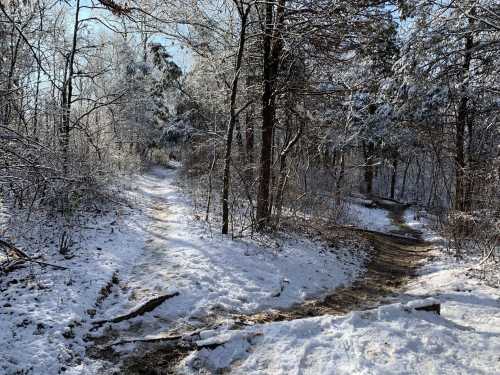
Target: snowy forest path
x=396, y=257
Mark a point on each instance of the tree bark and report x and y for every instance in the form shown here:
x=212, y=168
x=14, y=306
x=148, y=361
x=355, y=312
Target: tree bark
x=471, y=165
x=272, y=46
x=394, y=175
x=67, y=95
x=283, y=173
x=232, y=121
x=403, y=185
x=340, y=177
x=369, y=151
x=462, y=120
x=249, y=134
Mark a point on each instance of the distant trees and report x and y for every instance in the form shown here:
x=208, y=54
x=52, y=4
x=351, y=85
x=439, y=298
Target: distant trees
x=312, y=34
x=449, y=62
x=147, y=82
x=60, y=100
x=288, y=105
x=379, y=102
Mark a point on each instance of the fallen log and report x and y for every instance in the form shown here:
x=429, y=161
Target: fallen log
x=141, y=310
x=381, y=201
x=167, y=336
x=393, y=236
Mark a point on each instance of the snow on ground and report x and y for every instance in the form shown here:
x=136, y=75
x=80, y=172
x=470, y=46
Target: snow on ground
x=215, y=275
x=127, y=255
x=465, y=300
x=44, y=312
x=376, y=219
x=393, y=339
x=419, y=221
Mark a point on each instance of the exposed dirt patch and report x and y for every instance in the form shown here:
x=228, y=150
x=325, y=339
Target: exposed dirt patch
x=160, y=361
x=395, y=258
x=393, y=262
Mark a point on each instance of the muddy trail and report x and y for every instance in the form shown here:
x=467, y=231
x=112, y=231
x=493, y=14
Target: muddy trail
x=395, y=257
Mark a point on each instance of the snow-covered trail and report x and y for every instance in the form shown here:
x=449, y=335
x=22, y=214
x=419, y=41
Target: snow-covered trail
x=245, y=309
x=124, y=255
x=216, y=277
x=391, y=339
x=130, y=254
x=394, y=262
x=247, y=320
x=247, y=290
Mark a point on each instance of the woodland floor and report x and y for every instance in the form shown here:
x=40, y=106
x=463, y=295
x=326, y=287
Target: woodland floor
x=248, y=307
x=394, y=258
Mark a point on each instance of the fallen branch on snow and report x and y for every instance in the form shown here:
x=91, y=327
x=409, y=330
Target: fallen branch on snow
x=159, y=338
x=141, y=310
x=429, y=304
x=22, y=256
x=189, y=340
x=434, y=308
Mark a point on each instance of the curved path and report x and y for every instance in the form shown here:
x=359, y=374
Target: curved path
x=394, y=261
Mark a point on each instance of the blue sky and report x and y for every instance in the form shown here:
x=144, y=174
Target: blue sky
x=180, y=55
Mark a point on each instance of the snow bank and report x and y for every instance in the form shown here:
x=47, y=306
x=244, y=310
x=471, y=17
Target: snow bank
x=45, y=313
x=465, y=300
x=393, y=339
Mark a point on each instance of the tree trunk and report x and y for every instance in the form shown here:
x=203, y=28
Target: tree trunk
x=272, y=46
x=232, y=122
x=459, y=162
x=67, y=95
x=403, y=185
x=280, y=188
x=10, y=79
x=210, y=174
x=340, y=178
x=369, y=151
x=394, y=175
x=249, y=134
x=38, y=74
x=462, y=120
x=283, y=176
x=471, y=165
x=249, y=144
